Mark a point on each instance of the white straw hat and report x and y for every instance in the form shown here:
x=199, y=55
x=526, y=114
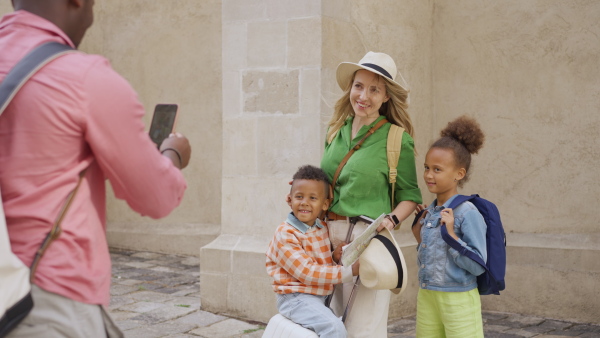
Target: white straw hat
x=382, y=265
x=378, y=63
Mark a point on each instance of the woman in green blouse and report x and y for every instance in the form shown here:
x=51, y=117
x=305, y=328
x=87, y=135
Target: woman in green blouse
x=362, y=188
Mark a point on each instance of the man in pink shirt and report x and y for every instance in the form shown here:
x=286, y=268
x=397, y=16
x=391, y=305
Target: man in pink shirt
x=76, y=113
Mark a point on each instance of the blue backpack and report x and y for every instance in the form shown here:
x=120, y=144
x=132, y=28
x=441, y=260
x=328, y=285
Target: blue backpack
x=492, y=280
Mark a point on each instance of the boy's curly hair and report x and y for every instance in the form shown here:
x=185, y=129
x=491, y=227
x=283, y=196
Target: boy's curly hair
x=464, y=137
x=309, y=172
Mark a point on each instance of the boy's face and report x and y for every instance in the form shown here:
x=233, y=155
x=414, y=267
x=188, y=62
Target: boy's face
x=308, y=200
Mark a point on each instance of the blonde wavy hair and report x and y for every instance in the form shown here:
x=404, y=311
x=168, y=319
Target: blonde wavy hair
x=394, y=110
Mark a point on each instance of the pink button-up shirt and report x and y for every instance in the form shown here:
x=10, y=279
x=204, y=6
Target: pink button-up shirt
x=75, y=113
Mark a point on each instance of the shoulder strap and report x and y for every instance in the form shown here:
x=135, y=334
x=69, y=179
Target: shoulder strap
x=394, y=147
x=28, y=66
x=355, y=148
x=14, y=80
x=458, y=200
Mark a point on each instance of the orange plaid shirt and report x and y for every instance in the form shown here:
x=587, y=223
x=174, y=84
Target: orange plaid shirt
x=299, y=259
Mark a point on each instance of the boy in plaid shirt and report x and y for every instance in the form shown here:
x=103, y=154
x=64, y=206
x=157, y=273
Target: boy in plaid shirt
x=300, y=261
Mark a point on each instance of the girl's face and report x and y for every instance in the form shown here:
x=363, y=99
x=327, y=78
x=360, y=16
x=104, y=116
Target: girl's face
x=367, y=95
x=441, y=173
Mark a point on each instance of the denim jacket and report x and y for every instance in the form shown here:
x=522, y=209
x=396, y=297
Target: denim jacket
x=442, y=268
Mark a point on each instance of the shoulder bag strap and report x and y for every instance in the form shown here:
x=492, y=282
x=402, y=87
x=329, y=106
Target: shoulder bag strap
x=28, y=66
x=355, y=148
x=394, y=147
x=14, y=80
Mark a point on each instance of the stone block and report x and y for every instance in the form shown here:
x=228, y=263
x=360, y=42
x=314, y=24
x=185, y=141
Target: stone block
x=243, y=10
x=216, y=256
x=304, y=42
x=310, y=92
x=252, y=296
x=267, y=44
x=214, y=292
x=232, y=99
x=336, y=9
x=288, y=142
x=290, y=9
x=235, y=46
x=271, y=92
x=239, y=147
x=250, y=210
x=249, y=256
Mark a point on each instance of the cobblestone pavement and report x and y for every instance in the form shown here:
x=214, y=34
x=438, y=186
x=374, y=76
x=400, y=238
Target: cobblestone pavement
x=158, y=295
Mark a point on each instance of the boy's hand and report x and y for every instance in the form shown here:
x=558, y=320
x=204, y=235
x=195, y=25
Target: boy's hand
x=448, y=219
x=337, y=253
x=355, y=268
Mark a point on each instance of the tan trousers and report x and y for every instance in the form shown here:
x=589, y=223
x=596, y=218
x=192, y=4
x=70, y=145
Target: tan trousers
x=369, y=313
x=57, y=316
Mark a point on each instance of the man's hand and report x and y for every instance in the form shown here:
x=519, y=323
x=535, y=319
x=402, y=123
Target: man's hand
x=182, y=148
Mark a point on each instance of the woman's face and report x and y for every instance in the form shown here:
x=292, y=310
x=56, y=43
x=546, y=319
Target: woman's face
x=367, y=94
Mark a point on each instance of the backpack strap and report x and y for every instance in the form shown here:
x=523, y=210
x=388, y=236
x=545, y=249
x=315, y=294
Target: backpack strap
x=394, y=146
x=458, y=200
x=28, y=66
x=14, y=80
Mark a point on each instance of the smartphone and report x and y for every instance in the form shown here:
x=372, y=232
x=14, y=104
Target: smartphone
x=163, y=122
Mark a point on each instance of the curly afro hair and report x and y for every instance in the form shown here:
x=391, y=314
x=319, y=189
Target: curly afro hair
x=464, y=137
x=309, y=172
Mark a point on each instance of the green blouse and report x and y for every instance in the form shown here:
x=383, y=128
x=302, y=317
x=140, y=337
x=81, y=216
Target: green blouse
x=363, y=186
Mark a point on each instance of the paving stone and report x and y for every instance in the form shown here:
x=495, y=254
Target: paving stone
x=130, y=282
x=224, y=329
x=521, y=332
x=130, y=324
x=583, y=328
x=147, y=255
x=158, y=330
x=119, y=316
x=490, y=334
x=496, y=328
x=118, y=301
x=164, y=313
x=402, y=326
x=519, y=321
x=149, y=296
x=117, y=290
x=141, y=307
x=192, y=261
x=189, y=301
x=201, y=318
x=493, y=316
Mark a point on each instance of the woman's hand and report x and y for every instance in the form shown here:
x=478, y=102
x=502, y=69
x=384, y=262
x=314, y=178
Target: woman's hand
x=448, y=220
x=355, y=268
x=386, y=223
x=337, y=253
x=416, y=229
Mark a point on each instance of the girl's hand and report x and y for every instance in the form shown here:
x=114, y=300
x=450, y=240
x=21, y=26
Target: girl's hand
x=337, y=253
x=416, y=230
x=448, y=220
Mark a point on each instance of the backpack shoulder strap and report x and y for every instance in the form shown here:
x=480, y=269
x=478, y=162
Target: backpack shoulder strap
x=394, y=146
x=29, y=65
x=458, y=200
